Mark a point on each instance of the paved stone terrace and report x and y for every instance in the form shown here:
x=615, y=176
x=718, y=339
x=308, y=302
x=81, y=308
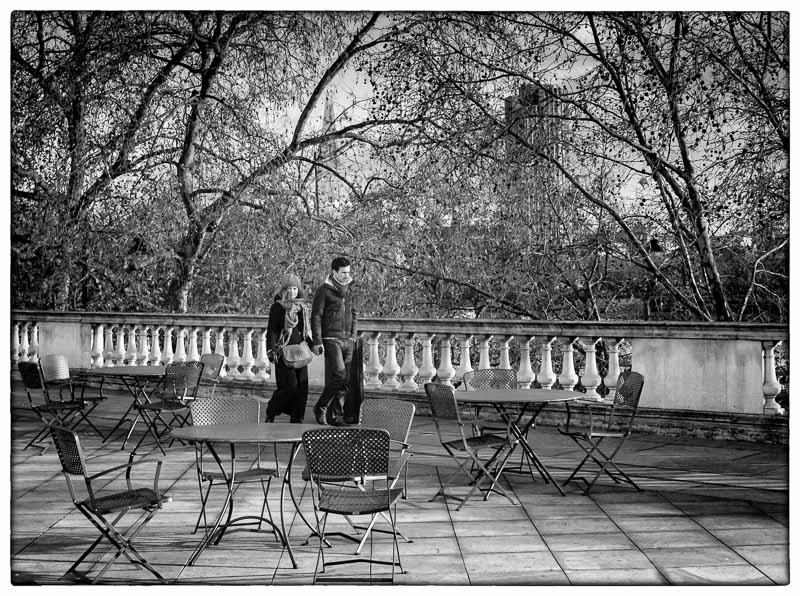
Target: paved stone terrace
x=713, y=512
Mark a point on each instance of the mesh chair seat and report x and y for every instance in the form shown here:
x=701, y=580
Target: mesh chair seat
x=484, y=441
x=124, y=500
x=169, y=405
x=250, y=475
x=352, y=501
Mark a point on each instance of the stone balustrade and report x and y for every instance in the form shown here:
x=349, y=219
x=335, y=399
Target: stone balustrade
x=715, y=367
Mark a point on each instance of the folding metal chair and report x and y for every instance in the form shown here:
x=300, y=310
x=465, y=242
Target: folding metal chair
x=606, y=422
x=489, y=378
x=464, y=449
x=395, y=416
x=341, y=452
x=61, y=387
x=48, y=413
x=99, y=507
x=212, y=369
x=225, y=410
x=177, y=389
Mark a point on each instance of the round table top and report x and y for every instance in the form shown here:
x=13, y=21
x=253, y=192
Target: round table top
x=128, y=371
x=267, y=432
x=527, y=396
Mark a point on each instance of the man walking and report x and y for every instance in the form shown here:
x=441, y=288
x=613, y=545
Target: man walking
x=333, y=326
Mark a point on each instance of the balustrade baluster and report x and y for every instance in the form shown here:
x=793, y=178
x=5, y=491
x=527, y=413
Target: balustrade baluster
x=155, y=346
x=96, y=352
x=110, y=351
x=25, y=344
x=14, y=344
x=525, y=374
x=33, y=350
x=144, y=346
x=568, y=378
x=169, y=352
x=546, y=377
x=193, y=354
x=132, y=352
x=465, y=364
x=219, y=348
x=233, y=353
x=206, y=349
x=446, y=371
x=484, y=361
x=505, y=361
x=591, y=377
x=409, y=369
x=771, y=388
x=247, y=360
x=372, y=370
x=262, y=363
x=390, y=367
x=180, y=345
x=427, y=370
x=612, y=376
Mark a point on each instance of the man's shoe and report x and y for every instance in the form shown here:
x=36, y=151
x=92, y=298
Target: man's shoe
x=320, y=413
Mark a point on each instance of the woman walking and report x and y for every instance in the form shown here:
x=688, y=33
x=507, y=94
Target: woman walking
x=289, y=323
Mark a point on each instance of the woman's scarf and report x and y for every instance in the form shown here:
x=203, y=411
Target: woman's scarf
x=293, y=309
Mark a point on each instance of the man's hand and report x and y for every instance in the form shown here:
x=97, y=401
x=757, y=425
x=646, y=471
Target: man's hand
x=317, y=349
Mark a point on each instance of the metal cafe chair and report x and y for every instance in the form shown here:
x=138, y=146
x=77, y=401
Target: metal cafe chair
x=228, y=410
x=395, y=416
x=212, y=369
x=612, y=422
x=176, y=390
x=351, y=452
x=49, y=413
x=61, y=387
x=106, y=508
x=466, y=449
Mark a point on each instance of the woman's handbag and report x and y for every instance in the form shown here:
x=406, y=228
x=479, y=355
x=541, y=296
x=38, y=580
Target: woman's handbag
x=296, y=355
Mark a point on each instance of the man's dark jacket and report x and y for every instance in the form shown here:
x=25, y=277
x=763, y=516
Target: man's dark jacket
x=332, y=312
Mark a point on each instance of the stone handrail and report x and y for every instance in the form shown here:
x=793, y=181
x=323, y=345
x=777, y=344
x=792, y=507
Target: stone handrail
x=726, y=367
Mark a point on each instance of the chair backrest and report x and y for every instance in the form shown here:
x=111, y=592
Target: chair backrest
x=31, y=375
x=629, y=389
x=442, y=401
x=182, y=379
x=392, y=415
x=224, y=410
x=69, y=451
x=346, y=452
x=490, y=378
x=55, y=367
x=212, y=365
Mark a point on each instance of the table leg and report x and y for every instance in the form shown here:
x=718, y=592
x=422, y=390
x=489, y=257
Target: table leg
x=134, y=392
x=521, y=435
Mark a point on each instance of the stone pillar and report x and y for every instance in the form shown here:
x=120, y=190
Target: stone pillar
x=567, y=379
x=194, y=353
x=505, y=362
x=465, y=365
x=484, y=361
x=409, y=369
x=612, y=375
x=427, y=371
x=525, y=374
x=155, y=350
x=390, y=367
x=770, y=387
x=180, y=346
x=169, y=353
x=591, y=377
x=372, y=372
x=247, y=354
x=446, y=372
x=546, y=376
x=219, y=348
x=262, y=363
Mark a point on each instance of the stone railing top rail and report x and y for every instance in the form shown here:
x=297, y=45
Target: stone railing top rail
x=446, y=327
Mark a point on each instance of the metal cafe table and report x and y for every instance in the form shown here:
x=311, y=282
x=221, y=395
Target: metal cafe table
x=277, y=433
x=528, y=401
x=138, y=380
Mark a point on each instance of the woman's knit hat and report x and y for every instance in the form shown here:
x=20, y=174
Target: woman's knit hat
x=291, y=280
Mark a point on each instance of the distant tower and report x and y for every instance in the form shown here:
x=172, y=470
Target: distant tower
x=329, y=190
x=535, y=118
